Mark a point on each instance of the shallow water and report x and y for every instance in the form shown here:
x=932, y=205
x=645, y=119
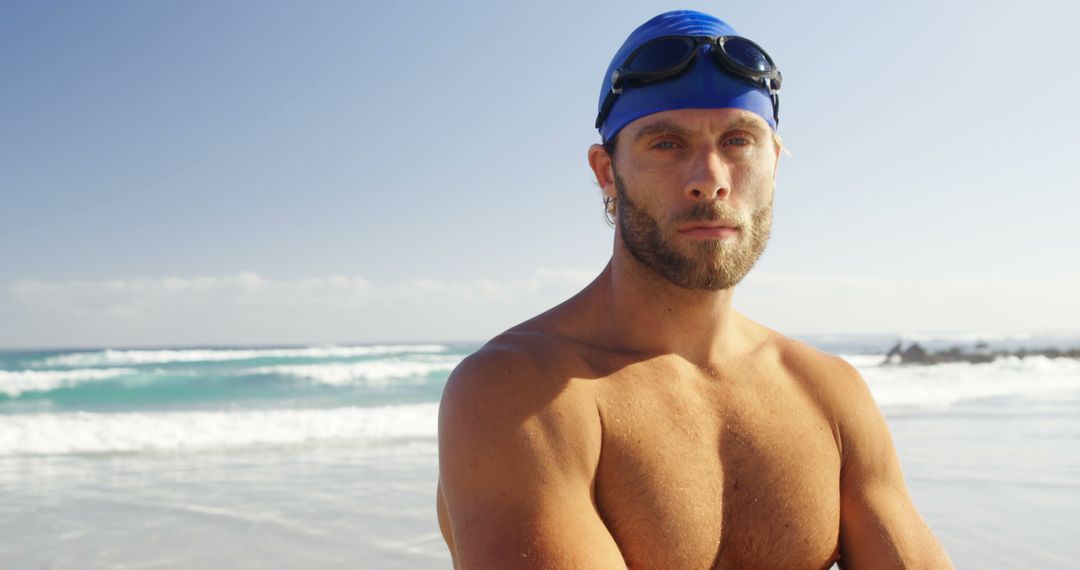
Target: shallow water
x=998, y=480
x=322, y=507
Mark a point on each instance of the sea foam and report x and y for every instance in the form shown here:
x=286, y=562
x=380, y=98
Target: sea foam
x=371, y=373
x=38, y=434
x=13, y=383
x=134, y=357
x=942, y=385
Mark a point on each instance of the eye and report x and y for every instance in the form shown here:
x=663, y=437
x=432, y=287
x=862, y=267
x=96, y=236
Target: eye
x=738, y=140
x=665, y=145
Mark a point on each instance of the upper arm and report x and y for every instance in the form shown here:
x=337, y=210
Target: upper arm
x=517, y=458
x=879, y=525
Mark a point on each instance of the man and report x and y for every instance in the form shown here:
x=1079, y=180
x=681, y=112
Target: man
x=644, y=423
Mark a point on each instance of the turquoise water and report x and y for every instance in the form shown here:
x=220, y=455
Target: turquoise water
x=223, y=379
x=212, y=398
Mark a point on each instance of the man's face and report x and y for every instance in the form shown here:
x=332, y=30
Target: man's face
x=694, y=193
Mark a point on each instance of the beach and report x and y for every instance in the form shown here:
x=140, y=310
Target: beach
x=326, y=457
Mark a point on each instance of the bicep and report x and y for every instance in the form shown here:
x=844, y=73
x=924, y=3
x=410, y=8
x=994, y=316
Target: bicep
x=542, y=532
x=516, y=468
x=880, y=528
x=879, y=524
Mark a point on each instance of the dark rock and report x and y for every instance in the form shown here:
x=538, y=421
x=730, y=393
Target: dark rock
x=915, y=354
x=979, y=358
x=952, y=355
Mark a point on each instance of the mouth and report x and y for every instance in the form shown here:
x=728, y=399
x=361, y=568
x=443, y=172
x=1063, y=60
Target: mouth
x=710, y=230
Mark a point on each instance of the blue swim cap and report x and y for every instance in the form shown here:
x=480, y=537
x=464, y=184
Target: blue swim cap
x=704, y=86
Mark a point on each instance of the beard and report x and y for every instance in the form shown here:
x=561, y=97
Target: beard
x=710, y=265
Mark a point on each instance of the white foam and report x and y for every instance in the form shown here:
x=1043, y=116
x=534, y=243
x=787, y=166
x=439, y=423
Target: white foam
x=13, y=383
x=864, y=360
x=372, y=373
x=113, y=357
x=941, y=385
x=35, y=434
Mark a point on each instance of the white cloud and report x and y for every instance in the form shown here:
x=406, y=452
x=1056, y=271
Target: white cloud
x=247, y=308
x=144, y=297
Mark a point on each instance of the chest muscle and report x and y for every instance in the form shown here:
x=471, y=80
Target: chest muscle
x=693, y=478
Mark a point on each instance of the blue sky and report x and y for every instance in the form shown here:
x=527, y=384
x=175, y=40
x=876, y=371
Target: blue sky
x=286, y=172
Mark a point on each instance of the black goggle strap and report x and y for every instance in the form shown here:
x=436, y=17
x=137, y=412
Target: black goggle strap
x=776, y=107
x=609, y=100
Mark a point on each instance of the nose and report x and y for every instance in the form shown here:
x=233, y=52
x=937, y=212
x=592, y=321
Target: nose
x=710, y=178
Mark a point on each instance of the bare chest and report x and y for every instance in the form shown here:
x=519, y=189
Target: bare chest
x=743, y=476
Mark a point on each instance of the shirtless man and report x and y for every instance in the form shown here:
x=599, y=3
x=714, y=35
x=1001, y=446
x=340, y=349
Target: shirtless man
x=644, y=423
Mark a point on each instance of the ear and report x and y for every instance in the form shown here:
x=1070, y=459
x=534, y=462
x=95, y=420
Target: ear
x=779, y=148
x=601, y=165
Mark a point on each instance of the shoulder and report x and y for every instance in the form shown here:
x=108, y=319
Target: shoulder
x=800, y=356
x=519, y=443
x=523, y=368
x=839, y=389
x=518, y=395
x=879, y=525
x=827, y=374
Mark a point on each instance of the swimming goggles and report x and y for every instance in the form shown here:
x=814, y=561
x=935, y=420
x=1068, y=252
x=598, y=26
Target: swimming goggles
x=665, y=57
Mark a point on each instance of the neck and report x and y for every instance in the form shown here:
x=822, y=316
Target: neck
x=648, y=313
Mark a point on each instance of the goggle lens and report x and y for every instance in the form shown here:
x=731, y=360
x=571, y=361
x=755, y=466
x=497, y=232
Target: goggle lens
x=660, y=55
x=746, y=54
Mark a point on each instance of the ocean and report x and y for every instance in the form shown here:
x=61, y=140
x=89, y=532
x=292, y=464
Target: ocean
x=326, y=456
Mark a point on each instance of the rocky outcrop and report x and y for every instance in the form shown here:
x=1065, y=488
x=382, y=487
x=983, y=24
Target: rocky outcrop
x=982, y=353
